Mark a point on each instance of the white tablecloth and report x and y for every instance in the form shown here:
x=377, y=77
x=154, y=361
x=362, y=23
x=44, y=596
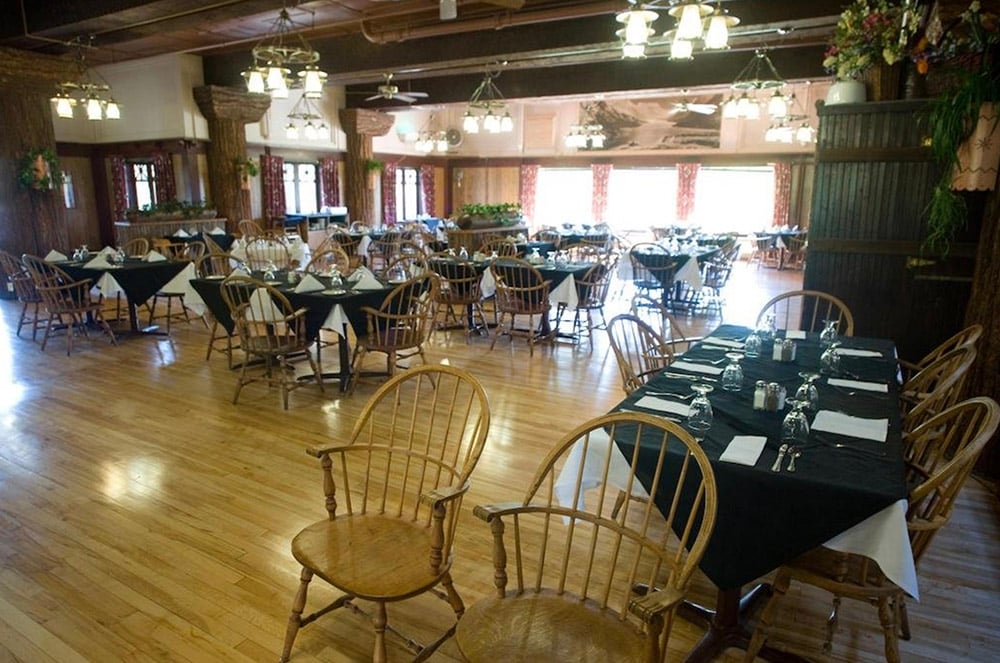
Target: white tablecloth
x=882, y=536
x=109, y=287
x=564, y=293
x=297, y=252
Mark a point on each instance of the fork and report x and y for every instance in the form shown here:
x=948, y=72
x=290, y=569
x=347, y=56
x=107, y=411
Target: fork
x=680, y=397
x=713, y=362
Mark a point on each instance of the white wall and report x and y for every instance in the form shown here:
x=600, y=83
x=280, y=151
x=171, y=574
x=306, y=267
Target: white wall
x=156, y=103
x=270, y=131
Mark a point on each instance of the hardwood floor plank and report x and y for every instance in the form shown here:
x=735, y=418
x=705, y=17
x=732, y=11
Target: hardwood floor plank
x=147, y=518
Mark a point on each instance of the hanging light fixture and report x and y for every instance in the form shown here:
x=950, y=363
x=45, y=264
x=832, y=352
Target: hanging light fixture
x=689, y=17
x=717, y=28
x=759, y=74
x=637, y=31
x=273, y=57
x=680, y=49
x=87, y=89
x=315, y=127
x=432, y=141
x=487, y=109
x=793, y=126
x=586, y=137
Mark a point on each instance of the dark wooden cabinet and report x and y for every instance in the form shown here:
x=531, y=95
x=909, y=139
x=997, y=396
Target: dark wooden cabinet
x=873, y=180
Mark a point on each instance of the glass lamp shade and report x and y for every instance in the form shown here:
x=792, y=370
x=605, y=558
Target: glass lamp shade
x=279, y=93
x=681, y=49
x=717, y=33
x=112, y=110
x=805, y=134
x=312, y=81
x=276, y=79
x=689, y=19
x=470, y=123
x=255, y=80
x=94, y=110
x=506, y=123
x=491, y=123
x=64, y=106
x=441, y=145
x=777, y=107
x=597, y=141
x=309, y=131
x=730, y=110
x=747, y=108
x=637, y=25
x=323, y=131
x=291, y=132
x=633, y=51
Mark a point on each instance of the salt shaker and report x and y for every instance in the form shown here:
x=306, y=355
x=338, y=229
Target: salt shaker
x=760, y=395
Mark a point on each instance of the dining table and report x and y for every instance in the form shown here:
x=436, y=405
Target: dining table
x=138, y=279
x=337, y=309
x=688, y=271
x=846, y=489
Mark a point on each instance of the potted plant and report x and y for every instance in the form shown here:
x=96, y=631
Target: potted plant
x=964, y=122
x=870, y=41
x=247, y=168
x=482, y=215
x=40, y=170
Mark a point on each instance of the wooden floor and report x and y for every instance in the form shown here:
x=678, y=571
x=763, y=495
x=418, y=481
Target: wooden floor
x=145, y=517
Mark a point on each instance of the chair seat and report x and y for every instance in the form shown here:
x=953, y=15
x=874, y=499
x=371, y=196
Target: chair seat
x=531, y=627
x=360, y=555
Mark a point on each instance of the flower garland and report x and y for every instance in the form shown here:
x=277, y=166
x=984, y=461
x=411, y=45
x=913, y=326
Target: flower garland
x=40, y=169
x=868, y=33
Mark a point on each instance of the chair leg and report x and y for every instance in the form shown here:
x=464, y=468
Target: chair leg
x=379, y=619
x=453, y=597
x=831, y=625
x=904, y=619
x=295, y=619
x=760, y=634
x=887, y=616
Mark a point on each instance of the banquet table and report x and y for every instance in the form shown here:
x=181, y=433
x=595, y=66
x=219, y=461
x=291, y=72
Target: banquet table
x=851, y=498
x=324, y=311
x=224, y=240
x=139, y=280
x=688, y=271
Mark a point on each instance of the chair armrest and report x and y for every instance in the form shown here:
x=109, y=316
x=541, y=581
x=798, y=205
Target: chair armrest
x=300, y=313
x=487, y=512
x=324, y=451
x=655, y=603
x=444, y=494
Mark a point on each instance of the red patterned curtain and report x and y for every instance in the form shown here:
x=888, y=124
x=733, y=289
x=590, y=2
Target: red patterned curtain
x=163, y=166
x=272, y=171
x=119, y=195
x=329, y=185
x=427, y=188
x=389, y=195
x=687, y=176
x=529, y=185
x=782, y=193
x=601, y=173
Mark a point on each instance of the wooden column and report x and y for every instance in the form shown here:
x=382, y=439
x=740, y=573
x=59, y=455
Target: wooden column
x=228, y=111
x=360, y=125
x=31, y=221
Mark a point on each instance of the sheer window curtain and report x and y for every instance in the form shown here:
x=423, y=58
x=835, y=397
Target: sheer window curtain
x=601, y=173
x=687, y=179
x=272, y=170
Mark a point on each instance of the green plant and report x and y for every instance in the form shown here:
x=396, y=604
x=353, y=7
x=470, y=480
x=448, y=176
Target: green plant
x=40, y=169
x=374, y=165
x=502, y=213
x=246, y=167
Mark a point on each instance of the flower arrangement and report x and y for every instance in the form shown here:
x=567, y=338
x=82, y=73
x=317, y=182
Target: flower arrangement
x=971, y=34
x=868, y=33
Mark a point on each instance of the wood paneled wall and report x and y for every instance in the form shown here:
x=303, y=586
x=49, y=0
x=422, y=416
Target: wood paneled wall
x=872, y=185
x=485, y=184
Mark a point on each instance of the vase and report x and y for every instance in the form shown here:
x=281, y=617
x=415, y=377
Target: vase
x=883, y=82
x=979, y=155
x=846, y=92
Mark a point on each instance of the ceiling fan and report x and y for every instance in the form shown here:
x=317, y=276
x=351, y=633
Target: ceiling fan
x=685, y=105
x=389, y=90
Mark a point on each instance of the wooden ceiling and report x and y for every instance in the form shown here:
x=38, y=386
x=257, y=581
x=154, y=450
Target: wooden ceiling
x=549, y=47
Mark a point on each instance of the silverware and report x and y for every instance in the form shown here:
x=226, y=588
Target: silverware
x=795, y=453
x=680, y=397
x=782, y=450
x=685, y=376
x=715, y=362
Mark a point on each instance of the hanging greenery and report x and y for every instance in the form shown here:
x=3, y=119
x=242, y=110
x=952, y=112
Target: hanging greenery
x=374, y=166
x=40, y=169
x=247, y=168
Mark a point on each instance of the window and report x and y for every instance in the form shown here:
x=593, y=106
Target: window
x=408, y=206
x=140, y=182
x=641, y=197
x=563, y=195
x=301, y=188
x=737, y=199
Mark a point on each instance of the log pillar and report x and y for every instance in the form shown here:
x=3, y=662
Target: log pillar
x=228, y=111
x=31, y=220
x=360, y=125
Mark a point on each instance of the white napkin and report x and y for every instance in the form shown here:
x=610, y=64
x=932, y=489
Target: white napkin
x=54, y=256
x=367, y=280
x=216, y=231
x=192, y=231
x=736, y=345
x=100, y=262
x=154, y=256
x=852, y=352
x=240, y=270
x=696, y=368
x=795, y=334
x=181, y=233
x=108, y=251
x=663, y=405
x=859, y=384
x=744, y=449
x=845, y=424
x=309, y=283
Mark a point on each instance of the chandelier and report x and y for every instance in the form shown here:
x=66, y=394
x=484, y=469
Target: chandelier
x=487, y=109
x=431, y=141
x=273, y=57
x=759, y=74
x=305, y=110
x=586, y=137
x=792, y=126
x=87, y=89
x=695, y=20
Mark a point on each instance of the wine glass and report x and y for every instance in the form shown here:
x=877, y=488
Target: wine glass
x=700, y=413
x=732, y=375
x=829, y=333
x=753, y=344
x=795, y=426
x=766, y=329
x=807, y=392
x=269, y=270
x=830, y=360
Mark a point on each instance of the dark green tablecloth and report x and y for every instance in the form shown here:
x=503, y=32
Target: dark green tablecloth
x=766, y=518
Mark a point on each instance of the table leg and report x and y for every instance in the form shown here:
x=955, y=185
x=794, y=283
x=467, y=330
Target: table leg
x=728, y=625
x=345, y=360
